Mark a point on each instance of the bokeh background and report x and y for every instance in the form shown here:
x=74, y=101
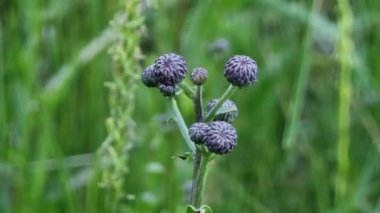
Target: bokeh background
x=80, y=133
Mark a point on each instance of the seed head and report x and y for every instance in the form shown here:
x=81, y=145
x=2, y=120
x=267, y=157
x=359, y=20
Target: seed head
x=168, y=90
x=199, y=76
x=197, y=132
x=221, y=137
x=229, y=110
x=241, y=70
x=170, y=69
x=147, y=76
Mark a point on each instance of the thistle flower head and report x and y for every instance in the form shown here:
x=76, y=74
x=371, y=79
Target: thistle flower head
x=147, y=76
x=221, y=137
x=199, y=76
x=197, y=132
x=168, y=90
x=241, y=70
x=170, y=69
x=229, y=110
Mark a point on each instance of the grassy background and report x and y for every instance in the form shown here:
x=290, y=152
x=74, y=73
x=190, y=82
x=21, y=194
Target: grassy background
x=306, y=143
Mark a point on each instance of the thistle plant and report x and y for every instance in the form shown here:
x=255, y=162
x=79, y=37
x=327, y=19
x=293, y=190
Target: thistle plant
x=212, y=133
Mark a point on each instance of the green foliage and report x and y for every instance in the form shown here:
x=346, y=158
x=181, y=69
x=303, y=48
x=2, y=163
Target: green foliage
x=125, y=53
x=54, y=106
x=202, y=209
x=184, y=156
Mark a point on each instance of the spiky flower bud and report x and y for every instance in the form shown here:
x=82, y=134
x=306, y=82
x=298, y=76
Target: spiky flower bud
x=221, y=137
x=228, y=110
x=241, y=70
x=168, y=90
x=199, y=76
x=197, y=132
x=170, y=69
x=147, y=77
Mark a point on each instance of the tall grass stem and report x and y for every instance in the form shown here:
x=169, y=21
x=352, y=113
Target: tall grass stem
x=345, y=47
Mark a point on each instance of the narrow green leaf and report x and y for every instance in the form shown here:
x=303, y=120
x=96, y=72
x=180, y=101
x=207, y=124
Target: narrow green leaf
x=205, y=209
x=191, y=209
x=184, y=156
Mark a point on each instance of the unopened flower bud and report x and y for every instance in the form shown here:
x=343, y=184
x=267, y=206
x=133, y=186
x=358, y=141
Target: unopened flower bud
x=197, y=132
x=168, y=90
x=170, y=69
x=241, y=70
x=147, y=76
x=199, y=76
x=228, y=110
x=221, y=137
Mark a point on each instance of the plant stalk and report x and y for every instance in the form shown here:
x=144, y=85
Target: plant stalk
x=201, y=179
x=202, y=158
x=198, y=102
x=198, y=155
x=187, y=90
x=228, y=93
x=345, y=47
x=181, y=124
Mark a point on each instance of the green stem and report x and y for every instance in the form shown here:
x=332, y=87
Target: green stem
x=201, y=179
x=198, y=104
x=181, y=124
x=298, y=100
x=196, y=169
x=187, y=90
x=203, y=158
x=198, y=155
x=345, y=50
x=228, y=93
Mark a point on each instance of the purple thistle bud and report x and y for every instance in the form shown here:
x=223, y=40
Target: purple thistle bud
x=147, y=77
x=221, y=137
x=221, y=45
x=197, y=132
x=168, y=91
x=170, y=69
x=241, y=70
x=229, y=110
x=199, y=76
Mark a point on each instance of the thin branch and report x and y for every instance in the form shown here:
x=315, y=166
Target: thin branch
x=228, y=93
x=181, y=124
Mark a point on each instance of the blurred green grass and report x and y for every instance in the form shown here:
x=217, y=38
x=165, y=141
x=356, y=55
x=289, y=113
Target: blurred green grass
x=52, y=124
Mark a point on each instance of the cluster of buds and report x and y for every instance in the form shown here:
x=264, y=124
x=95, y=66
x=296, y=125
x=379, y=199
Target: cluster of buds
x=219, y=136
x=166, y=73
